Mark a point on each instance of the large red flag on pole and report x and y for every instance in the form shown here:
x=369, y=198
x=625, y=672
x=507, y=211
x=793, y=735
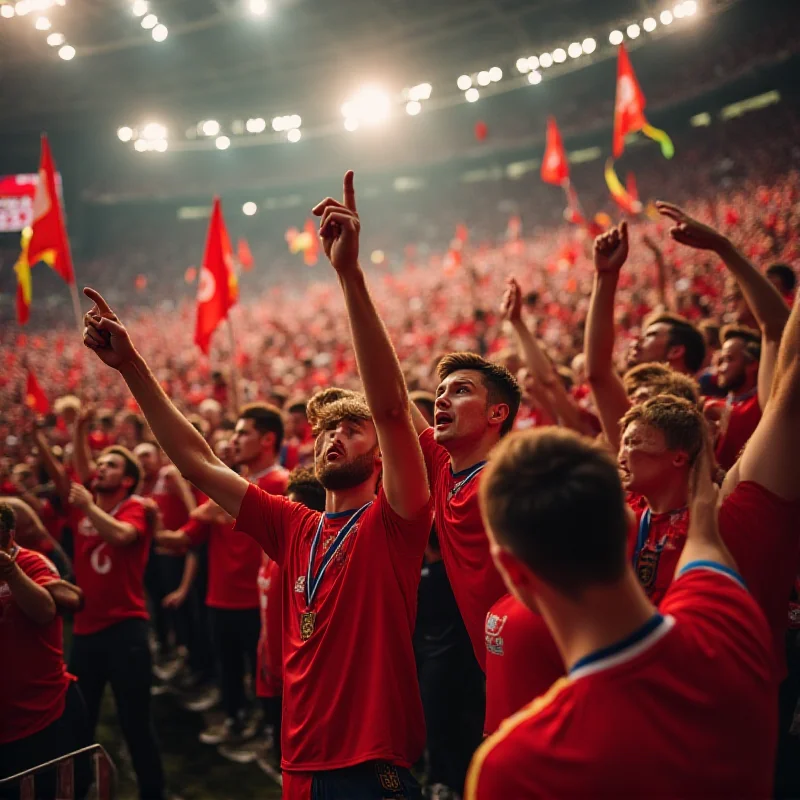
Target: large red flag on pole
x=555, y=167
x=49, y=242
x=35, y=398
x=217, y=287
x=24, y=285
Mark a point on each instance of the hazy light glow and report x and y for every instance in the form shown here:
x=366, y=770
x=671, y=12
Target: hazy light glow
x=210, y=127
x=67, y=52
x=222, y=142
x=140, y=145
x=294, y=135
x=160, y=33
x=7, y=11
x=23, y=7
x=125, y=134
x=545, y=60
x=615, y=37
x=522, y=65
x=249, y=209
x=351, y=123
x=258, y=7
x=256, y=125
x=471, y=95
x=150, y=21
x=371, y=105
x=413, y=107
x=649, y=24
x=153, y=131
x=139, y=8
x=633, y=30
x=534, y=77
x=421, y=91
x=55, y=39
x=559, y=55
x=43, y=24
x=160, y=145
x=533, y=63
x=666, y=17
x=689, y=8
x=589, y=45
x=678, y=11
x=484, y=79
x=464, y=82
x=496, y=74
x=574, y=50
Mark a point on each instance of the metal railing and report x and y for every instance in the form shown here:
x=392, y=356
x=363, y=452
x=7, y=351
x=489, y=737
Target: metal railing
x=103, y=770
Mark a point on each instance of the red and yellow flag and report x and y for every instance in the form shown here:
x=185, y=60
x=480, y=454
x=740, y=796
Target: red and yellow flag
x=35, y=398
x=24, y=285
x=555, y=167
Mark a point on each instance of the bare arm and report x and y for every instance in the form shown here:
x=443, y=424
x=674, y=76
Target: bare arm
x=178, y=597
x=68, y=597
x=81, y=452
x=52, y=465
x=610, y=253
x=661, y=268
x=405, y=481
x=111, y=530
x=32, y=534
x=32, y=599
x=178, y=486
x=184, y=446
x=420, y=423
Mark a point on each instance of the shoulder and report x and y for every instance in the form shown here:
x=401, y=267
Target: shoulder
x=431, y=450
x=37, y=566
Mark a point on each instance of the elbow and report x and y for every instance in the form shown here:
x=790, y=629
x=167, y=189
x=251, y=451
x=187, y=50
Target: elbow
x=397, y=412
x=597, y=378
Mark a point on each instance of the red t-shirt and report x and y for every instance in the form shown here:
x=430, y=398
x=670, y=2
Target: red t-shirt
x=112, y=578
x=476, y=583
x=173, y=510
x=522, y=660
x=686, y=706
x=350, y=687
x=743, y=420
x=33, y=678
x=269, y=680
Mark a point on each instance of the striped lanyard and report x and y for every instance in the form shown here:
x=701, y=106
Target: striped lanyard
x=462, y=483
x=641, y=538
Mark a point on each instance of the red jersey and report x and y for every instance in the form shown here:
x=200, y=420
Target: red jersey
x=522, y=660
x=349, y=685
x=173, y=510
x=112, y=578
x=744, y=415
x=686, y=706
x=34, y=679
x=476, y=583
x=269, y=680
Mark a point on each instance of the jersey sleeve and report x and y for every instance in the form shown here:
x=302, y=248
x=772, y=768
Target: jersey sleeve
x=38, y=568
x=408, y=537
x=196, y=531
x=268, y=519
x=436, y=458
x=135, y=513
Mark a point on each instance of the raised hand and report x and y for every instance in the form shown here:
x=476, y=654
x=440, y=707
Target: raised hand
x=611, y=249
x=511, y=305
x=689, y=231
x=339, y=227
x=79, y=496
x=105, y=334
x=703, y=493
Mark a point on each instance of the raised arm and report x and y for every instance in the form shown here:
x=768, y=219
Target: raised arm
x=32, y=534
x=661, y=268
x=30, y=597
x=405, y=480
x=178, y=486
x=81, y=452
x=53, y=467
x=610, y=253
x=766, y=303
x=184, y=446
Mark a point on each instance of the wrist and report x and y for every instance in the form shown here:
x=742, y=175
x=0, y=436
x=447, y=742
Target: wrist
x=133, y=367
x=724, y=247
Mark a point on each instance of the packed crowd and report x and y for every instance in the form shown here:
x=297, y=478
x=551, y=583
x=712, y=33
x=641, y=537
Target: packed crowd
x=515, y=446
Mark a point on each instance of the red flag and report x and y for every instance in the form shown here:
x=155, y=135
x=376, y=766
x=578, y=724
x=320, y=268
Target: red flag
x=462, y=233
x=311, y=252
x=244, y=255
x=217, y=288
x=35, y=398
x=555, y=167
x=631, y=187
x=629, y=105
x=49, y=241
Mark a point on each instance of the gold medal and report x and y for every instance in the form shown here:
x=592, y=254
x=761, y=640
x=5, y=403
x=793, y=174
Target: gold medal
x=308, y=620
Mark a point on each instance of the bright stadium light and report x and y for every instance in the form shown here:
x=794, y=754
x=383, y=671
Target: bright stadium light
x=483, y=78
x=633, y=31
x=160, y=145
x=559, y=55
x=574, y=50
x=666, y=17
x=258, y=7
x=160, y=33
x=139, y=8
x=678, y=11
x=256, y=125
x=249, y=209
x=495, y=74
x=471, y=95
x=55, y=39
x=370, y=105
x=545, y=60
x=534, y=77
x=421, y=91
x=294, y=121
x=153, y=131
x=351, y=124
x=589, y=45
x=23, y=7
x=7, y=11
x=413, y=107
x=615, y=37
x=150, y=21
x=67, y=52
x=140, y=145
x=222, y=142
x=210, y=127
x=533, y=63
x=294, y=135
x=689, y=8
x=125, y=134
x=464, y=82
x=649, y=24
x=522, y=65
x=43, y=24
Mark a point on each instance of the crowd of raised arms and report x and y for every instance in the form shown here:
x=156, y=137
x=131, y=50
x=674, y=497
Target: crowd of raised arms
x=561, y=566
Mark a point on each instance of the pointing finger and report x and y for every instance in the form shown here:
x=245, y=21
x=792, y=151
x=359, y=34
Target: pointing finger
x=349, y=190
x=98, y=300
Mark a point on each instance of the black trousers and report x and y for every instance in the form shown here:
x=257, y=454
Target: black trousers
x=374, y=780
x=235, y=635
x=162, y=576
x=787, y=771
x=120, y=655
x=68, y=733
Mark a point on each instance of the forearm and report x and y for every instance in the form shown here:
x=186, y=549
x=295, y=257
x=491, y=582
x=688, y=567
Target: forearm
x=535, y=360
x=33, y=600
x=599, y=336
x=789, y=352
x=661, y=266
x=189, y=573
x=381, y=375
x=81, y=453
x=111, y=530
x=53, y=467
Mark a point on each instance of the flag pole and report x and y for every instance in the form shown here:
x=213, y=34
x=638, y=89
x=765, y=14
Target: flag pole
x=234, y=373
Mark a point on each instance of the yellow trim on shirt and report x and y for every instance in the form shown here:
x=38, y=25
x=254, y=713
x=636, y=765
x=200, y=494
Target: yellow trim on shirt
x=506, y=727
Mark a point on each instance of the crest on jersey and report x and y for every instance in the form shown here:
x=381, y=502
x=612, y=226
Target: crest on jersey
x=647, y=567
x=300, y=584
x=388, y=776
x=495, y=643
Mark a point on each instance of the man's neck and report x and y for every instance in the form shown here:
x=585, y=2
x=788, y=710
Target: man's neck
x=680, y=366
x=603, y=616
x=465, y=456
x=148, y=484
x=670, y=496
x=744, y=389
x=347, y=499
x=108, y=502
x=261, y=464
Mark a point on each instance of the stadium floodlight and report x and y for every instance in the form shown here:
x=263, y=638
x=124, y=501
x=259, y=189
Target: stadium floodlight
x=258, y=7
x=160, y=33
x=56, y=39
x=40, y=5
x=495, y=74
x=483, y=78
x=23, y=7
x=210, y=127
x=140, y=145
x=589, y=45
x=534, y=77
x=559, y=55
x=522, y=65
x=222, y=142
x=256, y=125
x=615, y=37
x=125, y=134
x=160, y=145
x=139, y=8
x=7, y=11
x=370, y=105
x=666, y=17
x=149, y=21
x=649, y=24
x=413, y=107
x=294, y=135
x=294, y=121
x=421, y=91
x=464, y=82
x=575, y=50
x=67, y=52
x=533, y=63
x=679, y=12
x=351, y=124
x=249, y=209
x=472, y=95
x=633, y=31
x=153, y=131
x=43, y=24
x=689, y=8
x=545, y=60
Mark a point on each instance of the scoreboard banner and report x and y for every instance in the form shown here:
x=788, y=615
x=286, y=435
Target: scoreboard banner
x=16, y=201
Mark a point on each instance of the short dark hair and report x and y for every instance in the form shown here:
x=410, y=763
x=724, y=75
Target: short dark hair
x=643, y=375
x=683, y=333
x=555, y=500
x=785, y=275
x=427, y=400
x=138, y=422
x=500, y=384
x=8, y=519
x=297, y=406
x=279, y=395
x=750, y=338
x=133, y=469
x=710, y=329
x=266, y=419
x=303, y=483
